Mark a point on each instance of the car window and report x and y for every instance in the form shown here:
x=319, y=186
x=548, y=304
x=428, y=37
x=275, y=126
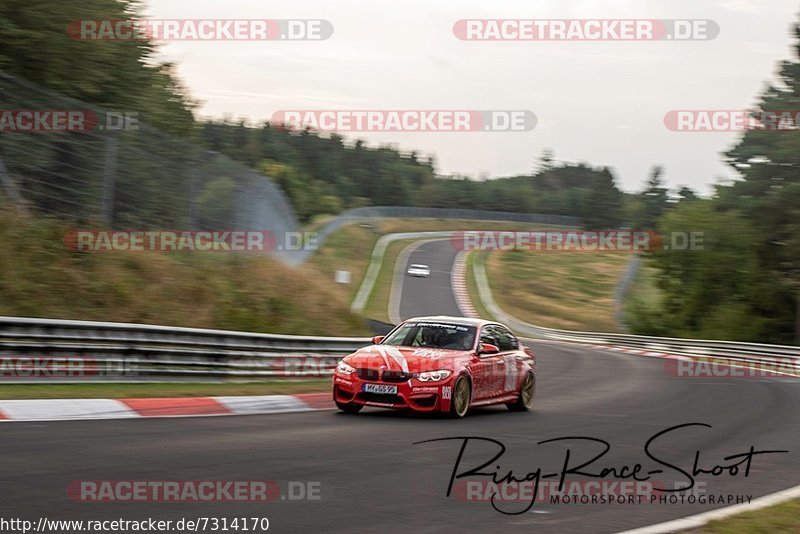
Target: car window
x=505, y=339
x=433, y=335
x=487, y=335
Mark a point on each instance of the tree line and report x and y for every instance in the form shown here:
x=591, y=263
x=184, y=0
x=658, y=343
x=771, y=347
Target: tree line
x=745, y=282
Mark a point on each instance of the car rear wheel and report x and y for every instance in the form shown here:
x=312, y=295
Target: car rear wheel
x=462, y=393
x=527, y=395
x=349, y=407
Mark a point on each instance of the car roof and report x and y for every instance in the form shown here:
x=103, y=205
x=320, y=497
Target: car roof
x=450, y=319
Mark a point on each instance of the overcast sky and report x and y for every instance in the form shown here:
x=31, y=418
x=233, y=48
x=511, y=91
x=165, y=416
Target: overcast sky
x=600, y=102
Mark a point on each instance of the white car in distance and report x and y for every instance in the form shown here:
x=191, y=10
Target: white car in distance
x=417, y=269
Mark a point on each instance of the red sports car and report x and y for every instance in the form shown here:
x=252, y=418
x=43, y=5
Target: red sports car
x=438, y=364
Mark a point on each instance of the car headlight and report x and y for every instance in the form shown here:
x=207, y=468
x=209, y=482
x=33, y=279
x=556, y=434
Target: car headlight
x=345, y=369
x=432, y=376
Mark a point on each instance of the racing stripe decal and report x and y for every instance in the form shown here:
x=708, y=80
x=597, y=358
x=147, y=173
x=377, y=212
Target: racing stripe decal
x=392, y=352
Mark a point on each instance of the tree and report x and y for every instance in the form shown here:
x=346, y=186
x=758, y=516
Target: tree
x=116, y=75
x=769, y=193
x=654, y=198
x=745, y=285
x=685, y=193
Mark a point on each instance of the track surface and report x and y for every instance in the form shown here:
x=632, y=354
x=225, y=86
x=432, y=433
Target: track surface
x=374, y=480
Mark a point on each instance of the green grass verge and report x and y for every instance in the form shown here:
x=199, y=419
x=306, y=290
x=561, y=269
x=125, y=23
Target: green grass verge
x=348, y=249
x=782, y=518
x=643, y=300
x=568, y=290
x=377, y=306
x=121, y=391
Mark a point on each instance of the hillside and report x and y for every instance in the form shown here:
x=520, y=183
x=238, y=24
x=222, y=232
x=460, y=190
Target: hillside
x=40, y=277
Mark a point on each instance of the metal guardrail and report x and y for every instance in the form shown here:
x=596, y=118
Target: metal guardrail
x=371, y=213
x=51, y=350
x=59, y=351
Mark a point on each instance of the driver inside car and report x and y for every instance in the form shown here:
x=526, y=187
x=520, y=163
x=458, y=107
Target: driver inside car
x=430, y=337
x=454, y=340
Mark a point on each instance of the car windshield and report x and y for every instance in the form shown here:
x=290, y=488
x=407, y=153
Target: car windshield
x=433, y=335
x=419, y=266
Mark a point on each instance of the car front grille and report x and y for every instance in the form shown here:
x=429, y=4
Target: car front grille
x=368, y=374
x=395, y=376
x=388, y=376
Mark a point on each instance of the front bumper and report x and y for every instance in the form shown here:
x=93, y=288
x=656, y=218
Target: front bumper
x=411, y=394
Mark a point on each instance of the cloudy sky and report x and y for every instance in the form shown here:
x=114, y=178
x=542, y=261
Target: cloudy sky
x=600, y=102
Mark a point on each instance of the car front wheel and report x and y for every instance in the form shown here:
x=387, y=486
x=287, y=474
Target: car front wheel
x=462, y=393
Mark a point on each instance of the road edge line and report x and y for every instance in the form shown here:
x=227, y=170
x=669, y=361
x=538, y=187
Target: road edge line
x=702, y=519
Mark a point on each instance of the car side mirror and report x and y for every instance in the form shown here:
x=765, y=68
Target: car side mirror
x=487, y=348
x=377, y=339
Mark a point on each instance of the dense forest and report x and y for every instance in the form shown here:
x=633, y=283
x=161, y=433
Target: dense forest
x=326, y=174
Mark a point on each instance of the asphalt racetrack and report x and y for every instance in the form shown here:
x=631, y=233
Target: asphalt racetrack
x=371, y=476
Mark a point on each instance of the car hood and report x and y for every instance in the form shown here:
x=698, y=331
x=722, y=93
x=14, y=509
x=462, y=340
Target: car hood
x=406, y=359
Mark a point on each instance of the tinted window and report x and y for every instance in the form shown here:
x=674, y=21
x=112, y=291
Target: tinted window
x=433, y=335
x=487, y=335
x=505, y=339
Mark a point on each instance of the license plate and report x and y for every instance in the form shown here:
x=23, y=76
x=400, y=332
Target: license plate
x=380, y=388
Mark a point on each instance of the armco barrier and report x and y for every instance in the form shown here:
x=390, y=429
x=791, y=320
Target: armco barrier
x=82, y=351
x=119, y=352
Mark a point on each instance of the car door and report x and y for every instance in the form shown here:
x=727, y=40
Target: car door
x=487, y=367
x=509, y=352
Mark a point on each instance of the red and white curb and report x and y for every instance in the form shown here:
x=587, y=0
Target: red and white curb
x=458, y=282
x=71, y=409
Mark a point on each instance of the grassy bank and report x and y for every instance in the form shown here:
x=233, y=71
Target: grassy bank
x=643, y=301
x=568, y=290
x=378, y=303
x=40, y=277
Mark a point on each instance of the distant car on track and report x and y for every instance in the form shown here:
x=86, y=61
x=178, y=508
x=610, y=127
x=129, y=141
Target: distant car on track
x=417, y=269
x=438, y=364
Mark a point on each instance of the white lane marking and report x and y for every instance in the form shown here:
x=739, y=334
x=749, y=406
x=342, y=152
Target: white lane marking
x=44, y=409
x=697, y=521
x=263, y=404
